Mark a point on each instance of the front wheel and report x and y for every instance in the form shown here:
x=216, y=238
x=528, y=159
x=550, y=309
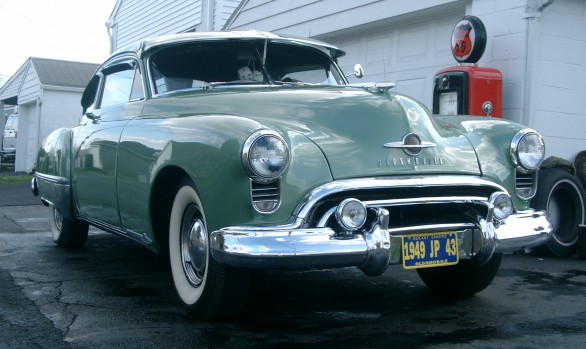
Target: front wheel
x=67, y=232
x=463, y=279
x=211, y=291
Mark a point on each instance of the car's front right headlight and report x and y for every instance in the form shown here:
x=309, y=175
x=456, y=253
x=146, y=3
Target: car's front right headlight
x=527, y=150
x=265, y=156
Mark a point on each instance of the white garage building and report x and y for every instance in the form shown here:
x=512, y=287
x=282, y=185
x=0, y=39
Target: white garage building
x=47, y=93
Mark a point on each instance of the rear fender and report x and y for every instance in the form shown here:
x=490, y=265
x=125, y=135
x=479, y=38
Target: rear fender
x=53, y=171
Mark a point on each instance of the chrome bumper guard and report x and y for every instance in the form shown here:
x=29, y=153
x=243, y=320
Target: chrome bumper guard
x=372, y=251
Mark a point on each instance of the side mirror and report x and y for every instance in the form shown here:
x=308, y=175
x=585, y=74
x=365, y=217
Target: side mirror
x=358, y=71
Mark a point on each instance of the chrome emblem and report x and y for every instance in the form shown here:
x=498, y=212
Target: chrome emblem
x=411, y=144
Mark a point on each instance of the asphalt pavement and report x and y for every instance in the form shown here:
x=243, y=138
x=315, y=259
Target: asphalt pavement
x=19, y=194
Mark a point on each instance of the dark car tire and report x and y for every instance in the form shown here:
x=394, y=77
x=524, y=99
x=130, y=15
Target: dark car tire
x=461, y=280
x=561, y=195
x=209, y=290
x=67, y=232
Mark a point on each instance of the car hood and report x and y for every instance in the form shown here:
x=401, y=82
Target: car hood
x=359, y=132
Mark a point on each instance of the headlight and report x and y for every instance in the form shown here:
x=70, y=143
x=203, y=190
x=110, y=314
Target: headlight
x=527, y=150
x=351, y=214
x=265, y=156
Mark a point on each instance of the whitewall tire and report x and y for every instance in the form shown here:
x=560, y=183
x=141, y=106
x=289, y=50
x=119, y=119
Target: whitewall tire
x=208, y=289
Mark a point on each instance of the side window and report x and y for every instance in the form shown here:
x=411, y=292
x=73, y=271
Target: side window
x=122, y=83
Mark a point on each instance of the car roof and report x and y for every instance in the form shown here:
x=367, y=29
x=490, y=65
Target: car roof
x=145, y=45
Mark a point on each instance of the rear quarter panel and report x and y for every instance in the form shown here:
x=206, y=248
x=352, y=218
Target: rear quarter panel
x=53, y=166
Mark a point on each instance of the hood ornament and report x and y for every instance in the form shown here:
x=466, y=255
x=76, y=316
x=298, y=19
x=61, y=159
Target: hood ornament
x=411, y=144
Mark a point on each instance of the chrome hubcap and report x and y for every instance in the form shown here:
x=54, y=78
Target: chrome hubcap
x=194, y=246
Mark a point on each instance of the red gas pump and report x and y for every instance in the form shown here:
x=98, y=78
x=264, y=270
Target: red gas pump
x=468, y=88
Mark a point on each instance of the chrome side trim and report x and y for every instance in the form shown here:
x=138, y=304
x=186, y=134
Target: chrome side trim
x=140, y=238
x=52, y=179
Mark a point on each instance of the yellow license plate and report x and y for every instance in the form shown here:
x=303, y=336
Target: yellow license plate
x=430, y=250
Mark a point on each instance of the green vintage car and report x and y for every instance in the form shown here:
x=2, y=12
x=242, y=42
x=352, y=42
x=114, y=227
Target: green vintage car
x=235, y=151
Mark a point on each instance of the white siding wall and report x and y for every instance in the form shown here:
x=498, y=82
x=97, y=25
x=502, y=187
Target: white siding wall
x=59, y=109
x=223, y=9
x=10, y=89
x=559, y=79
x=311, y=18
x=31, y=87
x=137, y=19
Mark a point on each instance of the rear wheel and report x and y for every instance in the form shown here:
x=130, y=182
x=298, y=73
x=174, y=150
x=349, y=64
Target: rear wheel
x=67, y=232
x=561, y=195
x=208, y=289
x=463, y=279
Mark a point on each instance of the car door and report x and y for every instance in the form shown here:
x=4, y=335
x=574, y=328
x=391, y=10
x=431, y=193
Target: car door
x=118, y=99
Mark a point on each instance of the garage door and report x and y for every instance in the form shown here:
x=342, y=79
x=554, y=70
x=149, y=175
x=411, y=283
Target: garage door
x=408, y=54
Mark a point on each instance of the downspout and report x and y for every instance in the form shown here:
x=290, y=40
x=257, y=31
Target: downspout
x=109, y=29
x=532, y=14
x=111, y=24
x=210, y=8
x=38, y=136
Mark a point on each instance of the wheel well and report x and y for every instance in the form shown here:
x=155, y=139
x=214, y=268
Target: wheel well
x=162, y=196
x=554, y=161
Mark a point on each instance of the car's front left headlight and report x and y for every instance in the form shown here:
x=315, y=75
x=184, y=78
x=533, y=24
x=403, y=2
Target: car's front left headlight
x=265, y=156
x=527, y=150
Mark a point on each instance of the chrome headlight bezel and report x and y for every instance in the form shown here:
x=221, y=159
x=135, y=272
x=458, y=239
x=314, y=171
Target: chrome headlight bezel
x=351, y=214
x=524, y=160
x=265, y=156
x=502, y=205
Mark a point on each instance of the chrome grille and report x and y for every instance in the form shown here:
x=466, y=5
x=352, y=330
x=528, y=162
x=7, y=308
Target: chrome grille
x=266, y=197
x=525, y=185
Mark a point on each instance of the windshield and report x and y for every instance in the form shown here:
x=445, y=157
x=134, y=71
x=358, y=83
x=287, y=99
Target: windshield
x=222, y=63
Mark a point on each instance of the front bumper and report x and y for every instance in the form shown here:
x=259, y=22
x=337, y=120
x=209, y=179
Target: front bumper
x=297, y=247
x=372, y=251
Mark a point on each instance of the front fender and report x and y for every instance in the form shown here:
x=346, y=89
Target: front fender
x=491, y=139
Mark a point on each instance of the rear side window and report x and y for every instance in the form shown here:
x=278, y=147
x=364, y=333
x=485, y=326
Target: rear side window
x=122, y=83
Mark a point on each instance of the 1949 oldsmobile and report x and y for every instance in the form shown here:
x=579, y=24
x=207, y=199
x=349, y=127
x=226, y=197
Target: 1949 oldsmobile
x=235, y=151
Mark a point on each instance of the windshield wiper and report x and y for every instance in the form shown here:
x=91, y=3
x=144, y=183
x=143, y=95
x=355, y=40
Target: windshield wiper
x=214, y=84
x=292, y=83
